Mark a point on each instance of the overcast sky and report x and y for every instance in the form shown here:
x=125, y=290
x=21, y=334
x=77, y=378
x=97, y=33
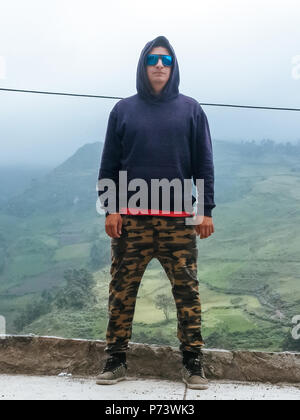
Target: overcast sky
x=231, y=51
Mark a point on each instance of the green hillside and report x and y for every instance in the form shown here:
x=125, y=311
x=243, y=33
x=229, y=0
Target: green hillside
x=248, y=269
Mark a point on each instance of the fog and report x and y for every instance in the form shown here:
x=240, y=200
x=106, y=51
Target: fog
x=233, y=52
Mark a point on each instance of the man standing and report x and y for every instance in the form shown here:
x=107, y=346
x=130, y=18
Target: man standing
x=158, y=133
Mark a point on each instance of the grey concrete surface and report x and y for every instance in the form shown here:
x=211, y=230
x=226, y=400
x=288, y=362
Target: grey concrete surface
x=21, y=387
x=221, y=390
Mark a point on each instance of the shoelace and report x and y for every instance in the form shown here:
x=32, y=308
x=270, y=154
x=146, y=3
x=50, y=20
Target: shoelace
x=111, y=363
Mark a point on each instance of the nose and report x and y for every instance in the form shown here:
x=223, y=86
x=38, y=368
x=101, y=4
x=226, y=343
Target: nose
x=159, y=63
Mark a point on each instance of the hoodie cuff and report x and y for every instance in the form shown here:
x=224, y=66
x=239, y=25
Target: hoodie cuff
x=207, y=212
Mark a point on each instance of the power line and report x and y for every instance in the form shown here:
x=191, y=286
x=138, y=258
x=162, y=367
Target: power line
x=256, y=107
x=119, y=97
x=60, y=93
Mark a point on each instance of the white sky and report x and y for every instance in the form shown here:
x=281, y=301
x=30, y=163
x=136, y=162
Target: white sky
x=229, y=51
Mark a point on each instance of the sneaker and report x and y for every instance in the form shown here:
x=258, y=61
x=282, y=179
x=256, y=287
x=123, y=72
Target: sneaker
x=113, y=371
x=192, y=372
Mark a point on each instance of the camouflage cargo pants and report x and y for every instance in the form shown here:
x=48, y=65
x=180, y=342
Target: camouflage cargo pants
x=174, y=244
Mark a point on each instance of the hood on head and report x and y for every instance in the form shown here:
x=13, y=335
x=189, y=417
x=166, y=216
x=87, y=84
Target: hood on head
x=143, y=85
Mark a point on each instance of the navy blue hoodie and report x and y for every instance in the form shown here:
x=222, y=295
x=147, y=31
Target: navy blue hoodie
x=158, y=136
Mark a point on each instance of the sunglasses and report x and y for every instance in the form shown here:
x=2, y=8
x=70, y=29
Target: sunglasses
x=152, y=59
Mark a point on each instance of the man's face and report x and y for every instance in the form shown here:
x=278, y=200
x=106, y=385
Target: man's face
x=159, y=74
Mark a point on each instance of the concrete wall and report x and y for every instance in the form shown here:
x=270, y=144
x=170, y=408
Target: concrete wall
x=51, y=355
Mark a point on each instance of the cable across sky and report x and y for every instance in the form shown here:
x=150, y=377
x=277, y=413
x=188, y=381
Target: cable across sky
x=119, y=97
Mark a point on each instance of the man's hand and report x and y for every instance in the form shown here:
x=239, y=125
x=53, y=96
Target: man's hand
x=206, y=228
x=113, y=225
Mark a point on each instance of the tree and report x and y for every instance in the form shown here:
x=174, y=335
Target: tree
x=165, y=303
x=78, y=292
x=32, y=312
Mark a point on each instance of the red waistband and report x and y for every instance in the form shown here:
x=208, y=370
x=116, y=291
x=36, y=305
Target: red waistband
x=152, y=212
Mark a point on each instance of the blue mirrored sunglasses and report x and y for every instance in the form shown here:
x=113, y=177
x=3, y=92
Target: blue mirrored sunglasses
x=152, y=59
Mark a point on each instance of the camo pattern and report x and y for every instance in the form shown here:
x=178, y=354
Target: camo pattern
x=174, y=244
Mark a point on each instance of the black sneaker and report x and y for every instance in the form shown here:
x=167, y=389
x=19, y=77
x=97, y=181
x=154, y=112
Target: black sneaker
x=113, y=371
x=193, y=373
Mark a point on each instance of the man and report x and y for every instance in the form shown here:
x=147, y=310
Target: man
x=157, y=133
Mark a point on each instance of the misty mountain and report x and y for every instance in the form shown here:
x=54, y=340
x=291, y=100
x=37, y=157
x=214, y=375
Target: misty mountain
x=70, y=185
x=248, y=270
x=14, y=180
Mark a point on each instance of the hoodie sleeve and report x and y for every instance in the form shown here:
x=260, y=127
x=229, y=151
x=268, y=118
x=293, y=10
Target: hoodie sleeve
x=111, y=159
x=202, y=161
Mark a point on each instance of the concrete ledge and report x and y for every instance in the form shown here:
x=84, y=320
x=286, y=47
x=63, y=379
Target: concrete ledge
x=52, y=355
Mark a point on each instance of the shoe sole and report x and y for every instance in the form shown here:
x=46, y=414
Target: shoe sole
x=109, y=381
x=195, y=386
